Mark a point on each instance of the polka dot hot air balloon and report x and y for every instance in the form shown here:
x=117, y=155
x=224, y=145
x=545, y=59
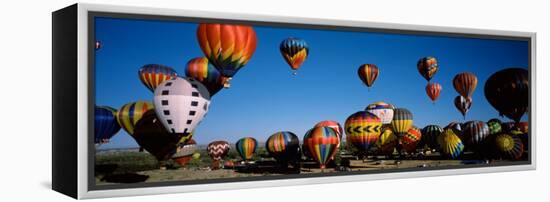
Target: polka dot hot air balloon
x=508, y=92
x=450, y=144
x=227, y=46
x=411, y=139
x=152, y=75
x=246, y=147
x=322, y=144
x=295, y=52
x=433, y=90
x=363, y=129
x=105, y=124
x=217, y=150
x=284, y=146
x=129, y=114
x=368, y=74
x=382, y=110
x=465, y=84
x=430, y=134
x=204, y=72
x=427, y=67
x=509, y=146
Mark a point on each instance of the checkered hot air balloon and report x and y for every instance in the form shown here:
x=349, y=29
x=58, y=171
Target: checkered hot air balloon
x=246, y=147
x=227, y=46
x=322, y=144
x=363, y=129
x=368, y=74
x=295, y=52
x=427, y=67
x=152, y=75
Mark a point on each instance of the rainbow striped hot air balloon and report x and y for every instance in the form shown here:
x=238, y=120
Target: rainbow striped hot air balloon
x=363, y=129
x=131, y=113
x=322, y=144
x=204, y=72
x=105, y=124
x=284, y=146
x=450, y=144
x=152, y=75
x=246, y=147
x=227, y=46
x=368, y=74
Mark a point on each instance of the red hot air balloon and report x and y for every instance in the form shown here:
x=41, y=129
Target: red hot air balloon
x=227, y=46
x=433, y=90
x=465, y=84
x=427, y=67
x=368, y=74
x=411, y=139
x=217, y=150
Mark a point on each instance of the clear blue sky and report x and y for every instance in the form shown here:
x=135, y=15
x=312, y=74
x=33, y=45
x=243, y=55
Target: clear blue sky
x=265, y=98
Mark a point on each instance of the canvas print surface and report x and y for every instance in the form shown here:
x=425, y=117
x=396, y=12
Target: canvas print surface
x=190, y=101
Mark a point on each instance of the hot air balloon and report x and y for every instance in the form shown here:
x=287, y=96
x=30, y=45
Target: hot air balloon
x=427, y=67
x=411, y=139
x=387, y=142
x=105, y=124
x=455, y=126
x=382, y=110
x=204, y=72
x=332, y=124
x=368, y=74
x=508, y=92
x=184, y=152
x=495, y=126
x=450, y=144
x=152, y=75
x=363, y=129
x=151, y=135
x=295, y=52
x=181, y=104
x=227, y=46
x=217, y=150
x=463, y=104
x=305, y=148
x=98, y=45
x=246, y=147
x=509, y=146
x=465, y=84
x=433, y=90
x=129, y=114
x=322, y=144
x=284, y=146
x=430, y=134
x=474, y=133
x=402, y=121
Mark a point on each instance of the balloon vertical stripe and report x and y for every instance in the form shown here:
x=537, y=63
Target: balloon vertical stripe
x=246, y=147
x=131, y=113
x=322, y=144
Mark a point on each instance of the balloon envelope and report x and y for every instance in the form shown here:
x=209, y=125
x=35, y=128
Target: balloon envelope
x=294, y=51
x=433, y=90
x=427, y=67
x=430, y=134
x=217, y=150
x=402, y=121
x=368, y=74
x=246, y=147
x=204, y=72
x=363, y=129
x=382, y=110
x=465, y=84
x=322, y=144
x=284, y=146
x=151, y=135
x=508, y=92
x=450, y=144
x=105, y=124
x=129, y=114
x=152, y=75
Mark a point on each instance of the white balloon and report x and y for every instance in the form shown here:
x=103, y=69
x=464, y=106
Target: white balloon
x=383, y=110
x=181, y=104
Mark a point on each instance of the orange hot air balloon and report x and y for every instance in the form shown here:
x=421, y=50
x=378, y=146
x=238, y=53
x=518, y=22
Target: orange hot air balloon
x=227, y=46
x=427, y=67
x=433, y=90
x=465, y=84
x=368, y=74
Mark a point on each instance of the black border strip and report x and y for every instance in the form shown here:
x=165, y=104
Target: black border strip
x=91, y=65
